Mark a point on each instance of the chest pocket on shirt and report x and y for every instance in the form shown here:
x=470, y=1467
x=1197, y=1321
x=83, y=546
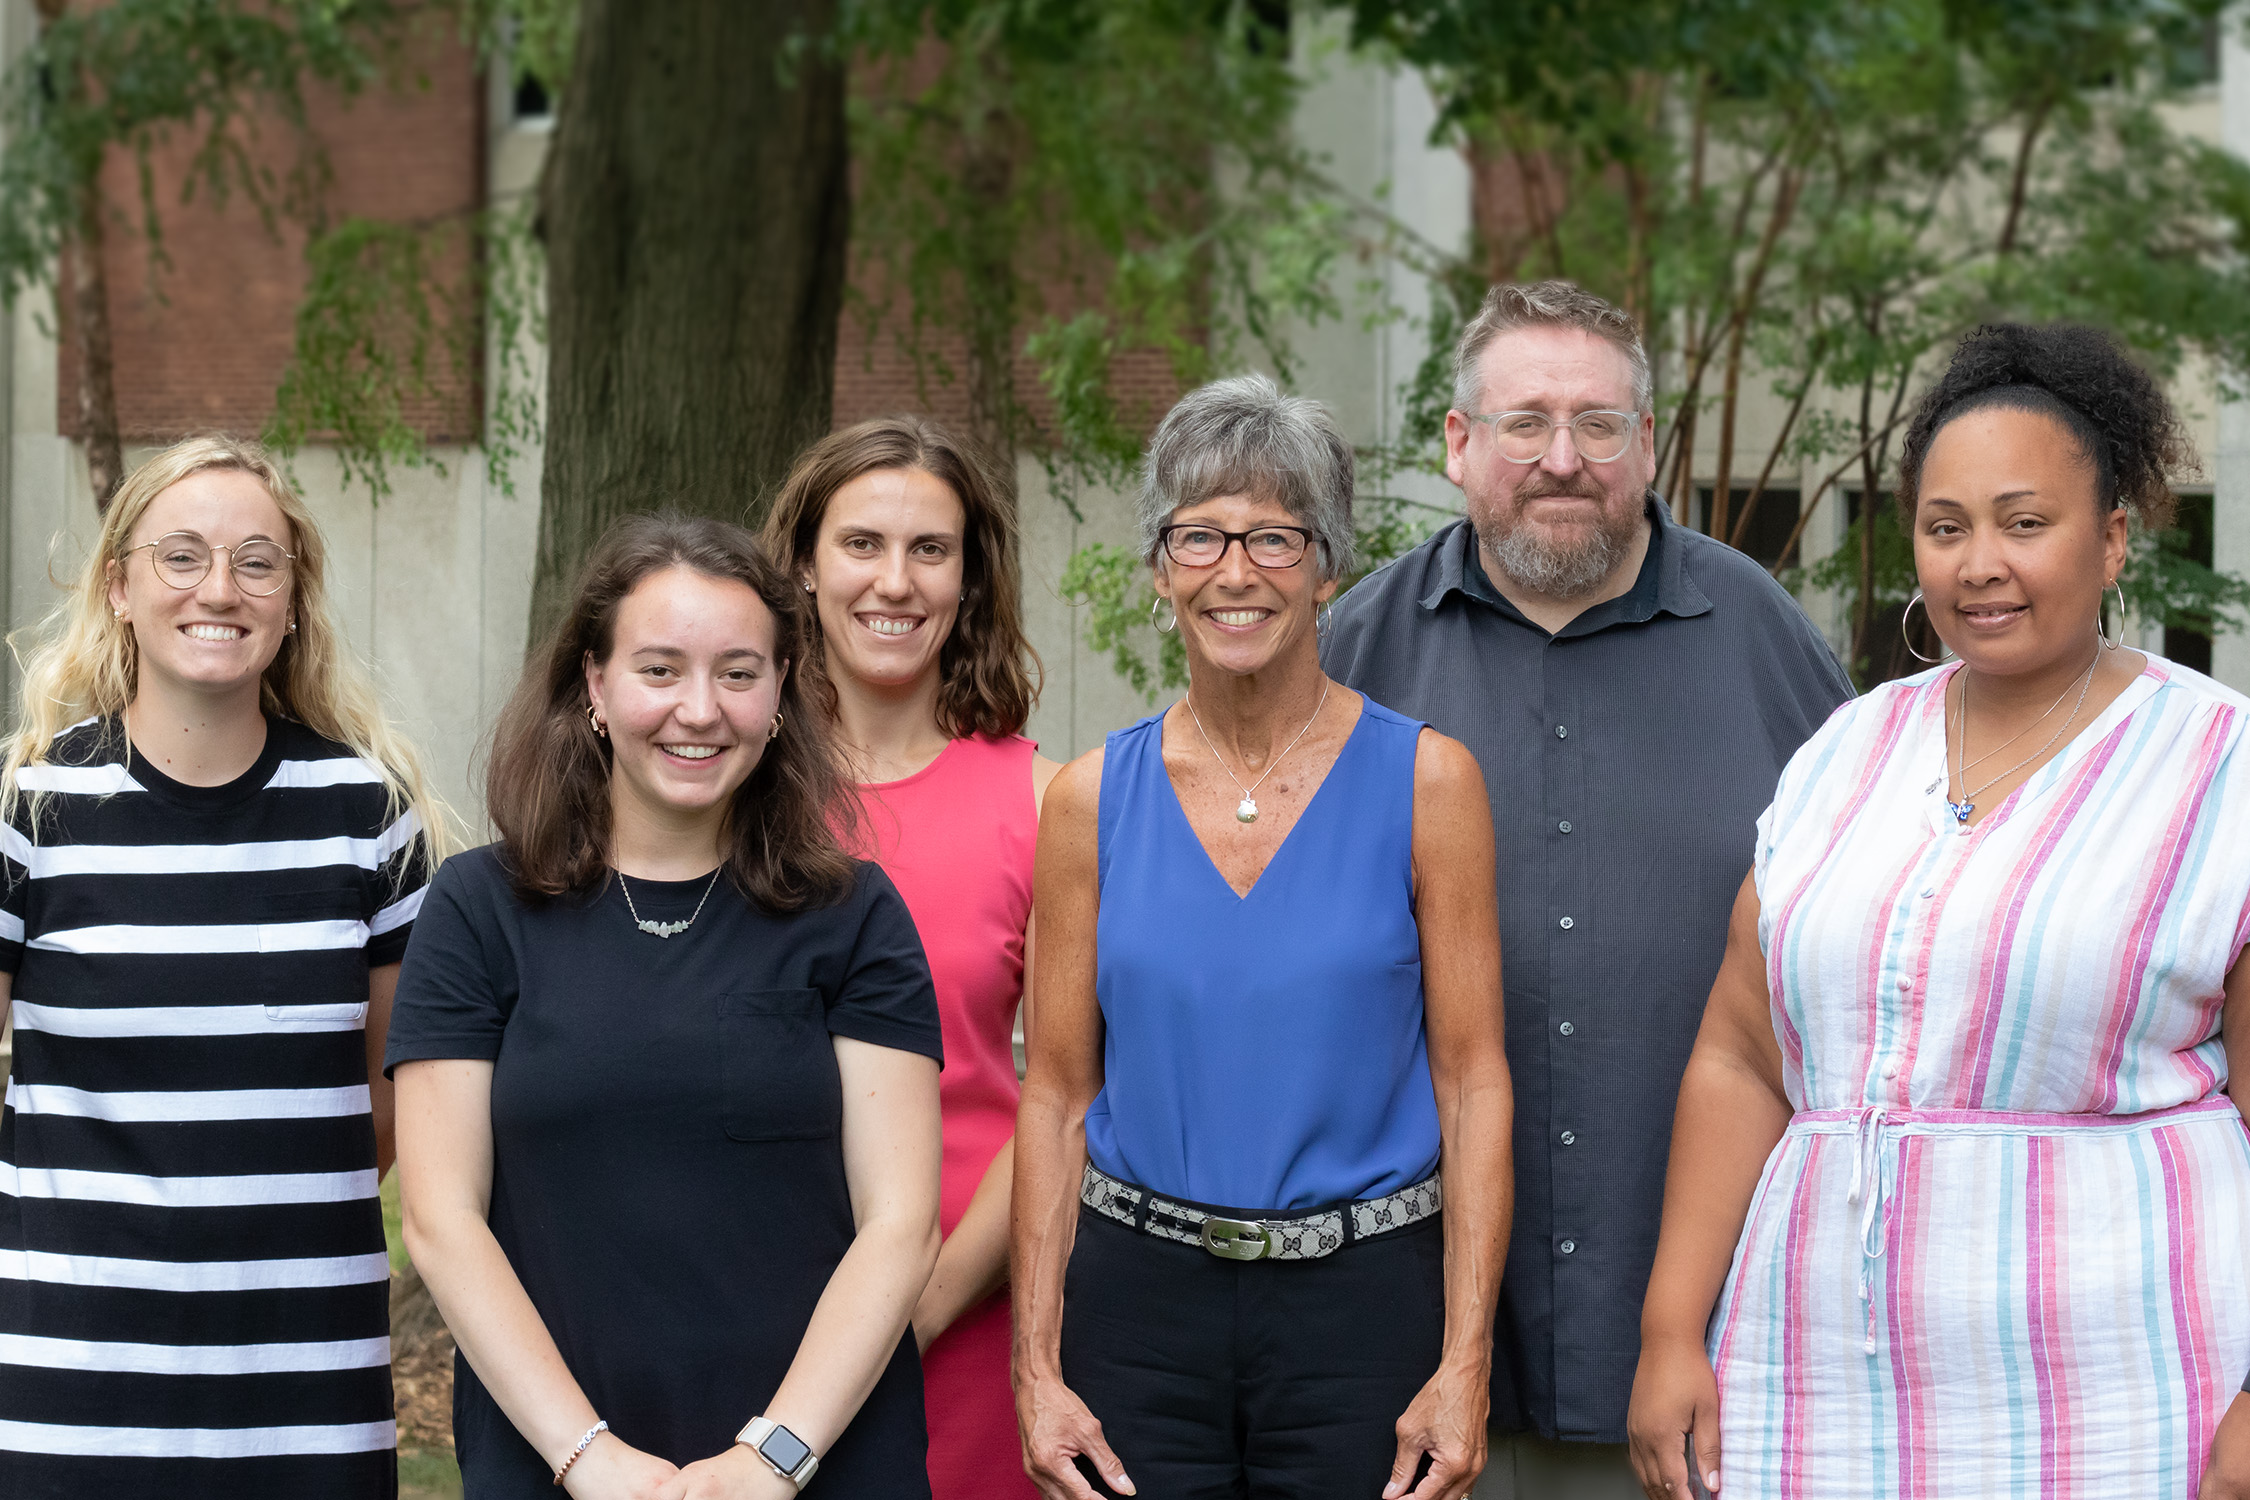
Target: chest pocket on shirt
x=289, y=927
x=777, y=1070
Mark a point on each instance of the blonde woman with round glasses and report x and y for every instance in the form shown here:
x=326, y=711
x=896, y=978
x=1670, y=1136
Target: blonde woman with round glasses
x=213, y=851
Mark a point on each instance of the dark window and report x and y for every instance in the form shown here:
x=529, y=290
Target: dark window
x=2188, y=641
x=1770, y=523
x=532, y=102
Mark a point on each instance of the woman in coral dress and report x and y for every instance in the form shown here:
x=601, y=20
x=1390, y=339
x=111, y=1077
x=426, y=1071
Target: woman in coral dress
x=906, y=538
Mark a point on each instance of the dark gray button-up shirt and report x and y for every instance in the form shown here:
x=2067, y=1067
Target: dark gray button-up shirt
x=1628, y=758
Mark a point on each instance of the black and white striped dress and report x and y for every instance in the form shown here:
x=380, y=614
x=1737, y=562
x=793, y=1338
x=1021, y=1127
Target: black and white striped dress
x=193, y=1297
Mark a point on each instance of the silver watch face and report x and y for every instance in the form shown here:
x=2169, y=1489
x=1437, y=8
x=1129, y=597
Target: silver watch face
x=784, y=1450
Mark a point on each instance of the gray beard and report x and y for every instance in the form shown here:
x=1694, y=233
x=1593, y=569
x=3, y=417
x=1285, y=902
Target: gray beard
x=1558, y=571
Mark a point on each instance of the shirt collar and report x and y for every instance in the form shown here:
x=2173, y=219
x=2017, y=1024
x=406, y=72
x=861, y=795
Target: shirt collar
x=1664, y=584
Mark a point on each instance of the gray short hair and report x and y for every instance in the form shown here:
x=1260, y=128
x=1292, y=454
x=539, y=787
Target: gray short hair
x=1546, y=304
x=1244, y=437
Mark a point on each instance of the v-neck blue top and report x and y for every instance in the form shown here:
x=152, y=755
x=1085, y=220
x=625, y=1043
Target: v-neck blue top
x=1263, y=1052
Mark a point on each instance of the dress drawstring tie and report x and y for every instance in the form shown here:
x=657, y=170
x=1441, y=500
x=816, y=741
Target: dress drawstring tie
x=1874, y=1175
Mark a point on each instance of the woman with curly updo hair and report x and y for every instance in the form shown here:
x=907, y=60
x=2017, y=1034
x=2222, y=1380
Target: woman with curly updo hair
x=1959, y=1178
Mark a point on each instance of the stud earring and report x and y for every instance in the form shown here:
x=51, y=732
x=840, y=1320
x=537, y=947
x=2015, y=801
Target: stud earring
x=594, y=717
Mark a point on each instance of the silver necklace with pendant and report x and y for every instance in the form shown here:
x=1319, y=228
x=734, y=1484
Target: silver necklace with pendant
x=664, y=929
x=2004, y=744
x=1246, y=811
x=1962, y=809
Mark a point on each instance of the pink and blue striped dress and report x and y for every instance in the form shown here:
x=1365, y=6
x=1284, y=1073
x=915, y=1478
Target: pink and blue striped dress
x=2004, y=1247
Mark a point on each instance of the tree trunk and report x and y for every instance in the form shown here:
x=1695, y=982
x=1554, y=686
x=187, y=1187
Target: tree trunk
x=988, y=170
x=88, y=280
x=695, y=207
x=85, y=279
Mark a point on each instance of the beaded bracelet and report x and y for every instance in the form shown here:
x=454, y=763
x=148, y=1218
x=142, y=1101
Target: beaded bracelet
x=584, y=1443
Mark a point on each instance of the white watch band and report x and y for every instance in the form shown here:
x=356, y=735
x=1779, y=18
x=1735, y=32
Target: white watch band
x=753, y=1436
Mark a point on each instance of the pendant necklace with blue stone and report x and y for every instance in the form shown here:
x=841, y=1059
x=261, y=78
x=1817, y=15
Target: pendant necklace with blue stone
x=1963, y=809
x=1246, y=811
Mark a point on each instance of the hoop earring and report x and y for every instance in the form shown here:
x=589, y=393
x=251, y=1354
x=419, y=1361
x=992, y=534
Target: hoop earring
x=773, y=732
x=1908, y=635
x=2102, y=635
x=1164, y=627
x=1325, y=623
x=594, y=717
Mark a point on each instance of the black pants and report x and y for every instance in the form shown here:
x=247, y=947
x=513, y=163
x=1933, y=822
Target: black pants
x=1229, y=1380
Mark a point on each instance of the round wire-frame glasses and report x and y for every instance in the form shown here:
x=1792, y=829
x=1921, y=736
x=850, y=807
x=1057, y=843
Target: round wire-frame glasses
x=1524, y=437
x=183, y=560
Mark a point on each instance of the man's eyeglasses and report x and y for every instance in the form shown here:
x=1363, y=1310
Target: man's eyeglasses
x=1524, y=437
x=183, y=560
x=1193, y=545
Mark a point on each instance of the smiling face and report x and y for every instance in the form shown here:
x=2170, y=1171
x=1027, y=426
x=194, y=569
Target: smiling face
x=689, y=693
x=2010, y=544
x=886, y=573
x=1559, y=526
x=1235, y=615
x=214, y=640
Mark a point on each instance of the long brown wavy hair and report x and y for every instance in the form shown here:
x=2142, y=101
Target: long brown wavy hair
x=988, y=673
x=548, y=782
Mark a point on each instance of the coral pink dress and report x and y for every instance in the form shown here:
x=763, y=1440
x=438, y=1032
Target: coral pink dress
x=956, y=838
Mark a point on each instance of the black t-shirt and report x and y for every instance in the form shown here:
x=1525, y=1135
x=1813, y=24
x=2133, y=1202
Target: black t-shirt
x=668, y=1173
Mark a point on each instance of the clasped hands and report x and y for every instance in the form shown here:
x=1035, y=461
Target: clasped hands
x=613, y=1469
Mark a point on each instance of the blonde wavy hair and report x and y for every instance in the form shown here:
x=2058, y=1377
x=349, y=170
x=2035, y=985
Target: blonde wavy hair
x=84, y=662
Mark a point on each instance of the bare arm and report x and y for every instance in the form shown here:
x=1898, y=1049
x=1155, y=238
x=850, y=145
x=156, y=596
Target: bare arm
x=973, y=1262
x=445, y=1190
x=1456, y=908
x=1065, y=1054
x=382, y=984
x=2227, y=1476
x=1731, y=1114
x=891, y=1155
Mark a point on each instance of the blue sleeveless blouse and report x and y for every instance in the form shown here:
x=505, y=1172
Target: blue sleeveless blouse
x=1263, y=1052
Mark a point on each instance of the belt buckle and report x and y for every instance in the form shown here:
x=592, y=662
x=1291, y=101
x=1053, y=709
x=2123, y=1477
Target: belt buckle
x=1235, y=1239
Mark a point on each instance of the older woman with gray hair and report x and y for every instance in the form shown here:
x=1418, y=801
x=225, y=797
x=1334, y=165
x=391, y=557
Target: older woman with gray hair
x=1269, y=1040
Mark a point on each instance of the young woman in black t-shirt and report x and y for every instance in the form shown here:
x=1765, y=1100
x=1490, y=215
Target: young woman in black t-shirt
x=667, y=1070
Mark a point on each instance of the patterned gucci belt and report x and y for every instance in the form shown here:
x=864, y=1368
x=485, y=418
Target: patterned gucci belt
x=1298, y=1236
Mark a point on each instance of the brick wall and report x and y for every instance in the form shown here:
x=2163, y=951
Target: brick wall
x=201, y=343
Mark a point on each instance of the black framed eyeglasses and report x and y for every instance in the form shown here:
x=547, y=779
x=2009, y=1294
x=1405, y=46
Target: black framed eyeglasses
x=183, y=560
x=1192, y=544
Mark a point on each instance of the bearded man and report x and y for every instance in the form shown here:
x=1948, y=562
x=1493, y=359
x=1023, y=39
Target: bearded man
x=1632, y=689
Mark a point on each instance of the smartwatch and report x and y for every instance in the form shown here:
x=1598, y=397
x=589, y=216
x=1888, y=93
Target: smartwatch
x=784, y=1452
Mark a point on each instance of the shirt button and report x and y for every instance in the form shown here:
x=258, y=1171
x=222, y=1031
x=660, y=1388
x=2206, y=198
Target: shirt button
x=1569, y=1138
x=1566, y=1028
x=1564, y=825
x=1906, y=981
x=1927, y=894
x=1561, y=733
x=1567, y=924
x=1568, y=1247
x=1890, y=1070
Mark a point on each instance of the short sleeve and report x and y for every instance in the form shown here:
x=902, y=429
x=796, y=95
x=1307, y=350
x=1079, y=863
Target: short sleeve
x=458, y=983
x=396, y=887
x=886, y=997
x=15, y=899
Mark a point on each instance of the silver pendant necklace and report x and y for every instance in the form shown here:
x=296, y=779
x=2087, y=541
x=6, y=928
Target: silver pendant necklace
x=2004, y=744
x=1246, y=811
x=664, y=929
x=1962, y=809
